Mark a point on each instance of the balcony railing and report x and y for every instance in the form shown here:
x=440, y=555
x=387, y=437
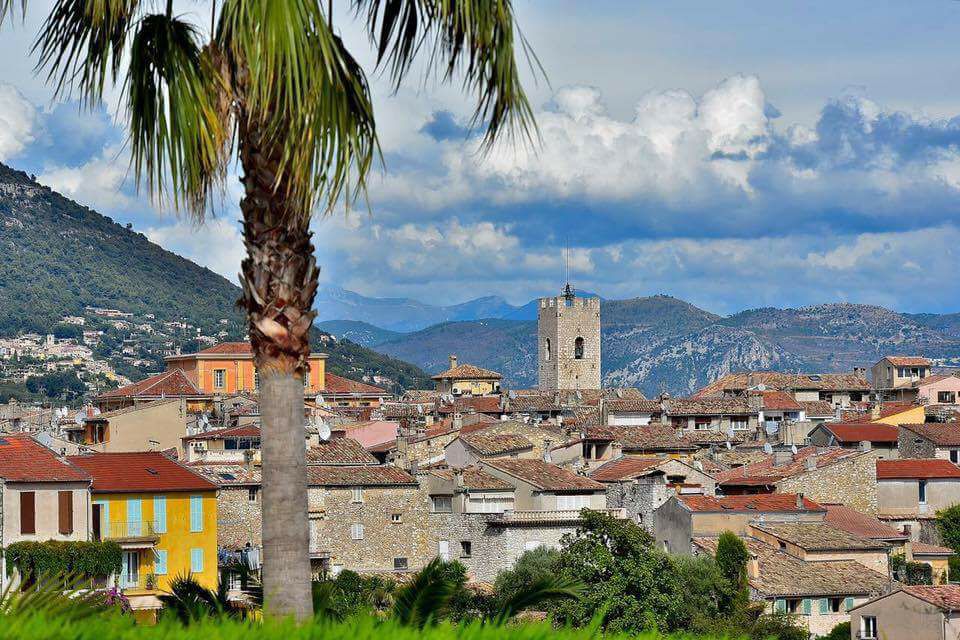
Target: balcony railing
x=549, y=515
x=143, y=530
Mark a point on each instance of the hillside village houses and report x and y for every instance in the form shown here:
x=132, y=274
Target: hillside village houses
x=826, y=477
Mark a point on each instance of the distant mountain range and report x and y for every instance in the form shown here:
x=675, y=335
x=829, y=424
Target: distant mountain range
x=656, y=343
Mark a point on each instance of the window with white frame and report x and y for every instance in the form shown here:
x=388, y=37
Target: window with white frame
x=922, y=491
x=396, y=518
x=489, y=504
x=356, y=531
x=739, y=423
x=356, y=494
x=219, y=378
x=868, y=627
x=442, y=504
x=573, y=502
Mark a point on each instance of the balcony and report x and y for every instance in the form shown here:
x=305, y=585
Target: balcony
x=130, y=533
x=551, y=516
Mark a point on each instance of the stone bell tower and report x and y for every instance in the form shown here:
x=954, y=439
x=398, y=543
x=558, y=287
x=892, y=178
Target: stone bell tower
x=568, y=342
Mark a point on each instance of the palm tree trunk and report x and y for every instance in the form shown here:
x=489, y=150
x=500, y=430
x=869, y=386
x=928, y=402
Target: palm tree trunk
x=279, y=277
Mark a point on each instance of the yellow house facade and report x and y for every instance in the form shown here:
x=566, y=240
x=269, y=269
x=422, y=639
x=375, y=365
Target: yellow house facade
x=467, y=380
x=163, y=516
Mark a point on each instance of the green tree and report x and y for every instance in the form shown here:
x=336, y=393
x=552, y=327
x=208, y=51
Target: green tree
x=626, y=578
x=704, y=589
x=839, y=632
x=732, y=558
x=948, y=522
x=274, y=88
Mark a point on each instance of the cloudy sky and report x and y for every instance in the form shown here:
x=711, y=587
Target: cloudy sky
x=735, y=155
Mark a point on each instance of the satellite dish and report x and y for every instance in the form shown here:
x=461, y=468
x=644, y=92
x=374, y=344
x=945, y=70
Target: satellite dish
x=78, y=418
x=318, y=399
x=730, y=433
x=793, y=449
x=420, y=409
x=698, y=465
x=772, y=427
x=96, y=411
x=323, y=430
x=767, y=448
x=761, y=387
x=729, y=446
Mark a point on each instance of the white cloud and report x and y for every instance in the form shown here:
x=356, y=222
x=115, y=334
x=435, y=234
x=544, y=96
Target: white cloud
x=18, y=122
x=99, y=182
x=217, y=244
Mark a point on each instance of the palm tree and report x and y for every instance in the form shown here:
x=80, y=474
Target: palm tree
x=273, y=86
x=189, y=601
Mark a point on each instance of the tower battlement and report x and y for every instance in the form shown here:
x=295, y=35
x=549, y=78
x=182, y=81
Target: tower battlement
x=568, y=342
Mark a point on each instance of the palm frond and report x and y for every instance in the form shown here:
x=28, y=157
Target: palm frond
x=474, y=38
x=6, y=8
x=65, y=597
x=425, y=598
x=540, y=591
x=178, y=127
x=301, y=90
x=81, y=44
x=189, y=601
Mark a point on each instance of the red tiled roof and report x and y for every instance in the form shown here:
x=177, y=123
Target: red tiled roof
x=479, y=404
x=242, y=431
x=769, y=502
x=888, y=409
x=346, y=451
x=338, y=384
x=634, y=405
x=467, y=372
x=859, y=524
x=817, y=408
x=916, y=468
x=23, y=459
x=945, y=596
x=701, y=406
x=909, y=361
x=785, y=382
x=860, y=431
x=489, y=444
x=543, y=475
x=360, y=476
x=625, y=468
x=766, y=472
x=945, y=434
x=145, y=471
x=474, y=478
x=925, y=549
x=779, y=401
x=169, y=383
x=228, y=349
x=651, y=437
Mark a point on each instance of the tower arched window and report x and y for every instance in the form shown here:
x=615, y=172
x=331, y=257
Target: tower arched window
x=546, y=349
x=578, y=348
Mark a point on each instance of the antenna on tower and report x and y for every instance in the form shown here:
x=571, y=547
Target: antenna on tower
x=567, y=288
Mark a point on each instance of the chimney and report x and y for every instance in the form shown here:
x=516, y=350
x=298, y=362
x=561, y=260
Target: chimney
x=811, y=463
x=800, y=506
x=458, y=479
x=875, y=412
x=457, y=421
x=860, y=371
x=547, y=457
x=248, y=460
x=753, y=567
x=453, y=361
x=865, y=445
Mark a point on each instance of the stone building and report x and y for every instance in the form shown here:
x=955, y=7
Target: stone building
x=930, y=440
x=911, y=491
x=568, y=342
x=467, y=379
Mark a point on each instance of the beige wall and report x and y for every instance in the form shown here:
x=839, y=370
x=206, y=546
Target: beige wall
x=900, y=615
x=164, y=422
x=529, y=498
x=851, y=482
x=468, y=387
x=708, y=524
x=901, y=497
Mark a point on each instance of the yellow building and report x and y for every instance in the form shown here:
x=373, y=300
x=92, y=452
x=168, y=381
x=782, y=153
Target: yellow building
x=467, y=380
x=163, y=515
x=227, y=368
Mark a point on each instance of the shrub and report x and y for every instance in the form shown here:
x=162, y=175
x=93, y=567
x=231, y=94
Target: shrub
x=839, y=632
x=73, y=557
x=910, y=572
x=732, y=558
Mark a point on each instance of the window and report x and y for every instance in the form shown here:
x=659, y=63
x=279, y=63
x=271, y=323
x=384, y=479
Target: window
x=399, y=564
x=196, y=560
x=442, y=504
x=134, y=517
x=65, y=512
x=396, y=518
x=946, y=397
x=489, y=504
x=306, y=379
x=160, y=562
x=101, y=520
x=28, y=512
x=868, y=627
x=739, y=424
x=443, y=550
x=356, y=494
x=160, y=514
x=130, y=569
x=230, y=444
x=702, y=423
x=196, y=514
x=546, y=349
x=256, y=380
x=356, y=531
x=466, y=548
x=922, y=491
x=578, y=348
x=252, y=493
x=219, y=378
x=573, y=502
x=955, y=456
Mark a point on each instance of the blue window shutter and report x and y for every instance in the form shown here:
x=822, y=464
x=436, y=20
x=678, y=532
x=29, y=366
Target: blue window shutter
x=160, y=562
x=196, y=560
x=104, y=519
x=780, y=605
x=134, y=517
x=824, y=606
x=807, y=606
x=849, y=603
x=196, y=513
x=160, y=514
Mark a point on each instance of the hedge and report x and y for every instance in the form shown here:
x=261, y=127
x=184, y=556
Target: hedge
x=74, y=557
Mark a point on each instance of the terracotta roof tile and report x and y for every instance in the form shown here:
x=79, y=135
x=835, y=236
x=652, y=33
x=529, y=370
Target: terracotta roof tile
x=467, y=372
x=849, y=433
x=490, y=444
x=140, y=472
x=817, y=408
x=887, y=410
x=779, y=401
x=543, y=475
x=652, y=437
x=760, y=503
x=360, y=476
x=819, y=536
x=242, y=431
x=475, y=478
x=859, y=524
x=23, y=459
x=227, y=474
x=169, y=383
x=709, y=407
x=766, y=471
x=345, y=451
x=909, y=361
x=478, y=404
x=228, y=348
x=946, y=434
x=945, y=596
x=916, y=468
x=634, y=405
x=625, y=468
x=338, y=384
x=739, y=382
x=924, y=549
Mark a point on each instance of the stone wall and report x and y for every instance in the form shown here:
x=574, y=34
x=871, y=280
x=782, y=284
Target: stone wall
x=852, y=481
x=561, y=325
x=494, y=547
x=640, y=498
x=333, y=512
x=239, y=519
x=912, y=445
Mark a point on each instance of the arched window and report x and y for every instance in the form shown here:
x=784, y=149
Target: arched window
x=546, y=349
x=578, y=349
